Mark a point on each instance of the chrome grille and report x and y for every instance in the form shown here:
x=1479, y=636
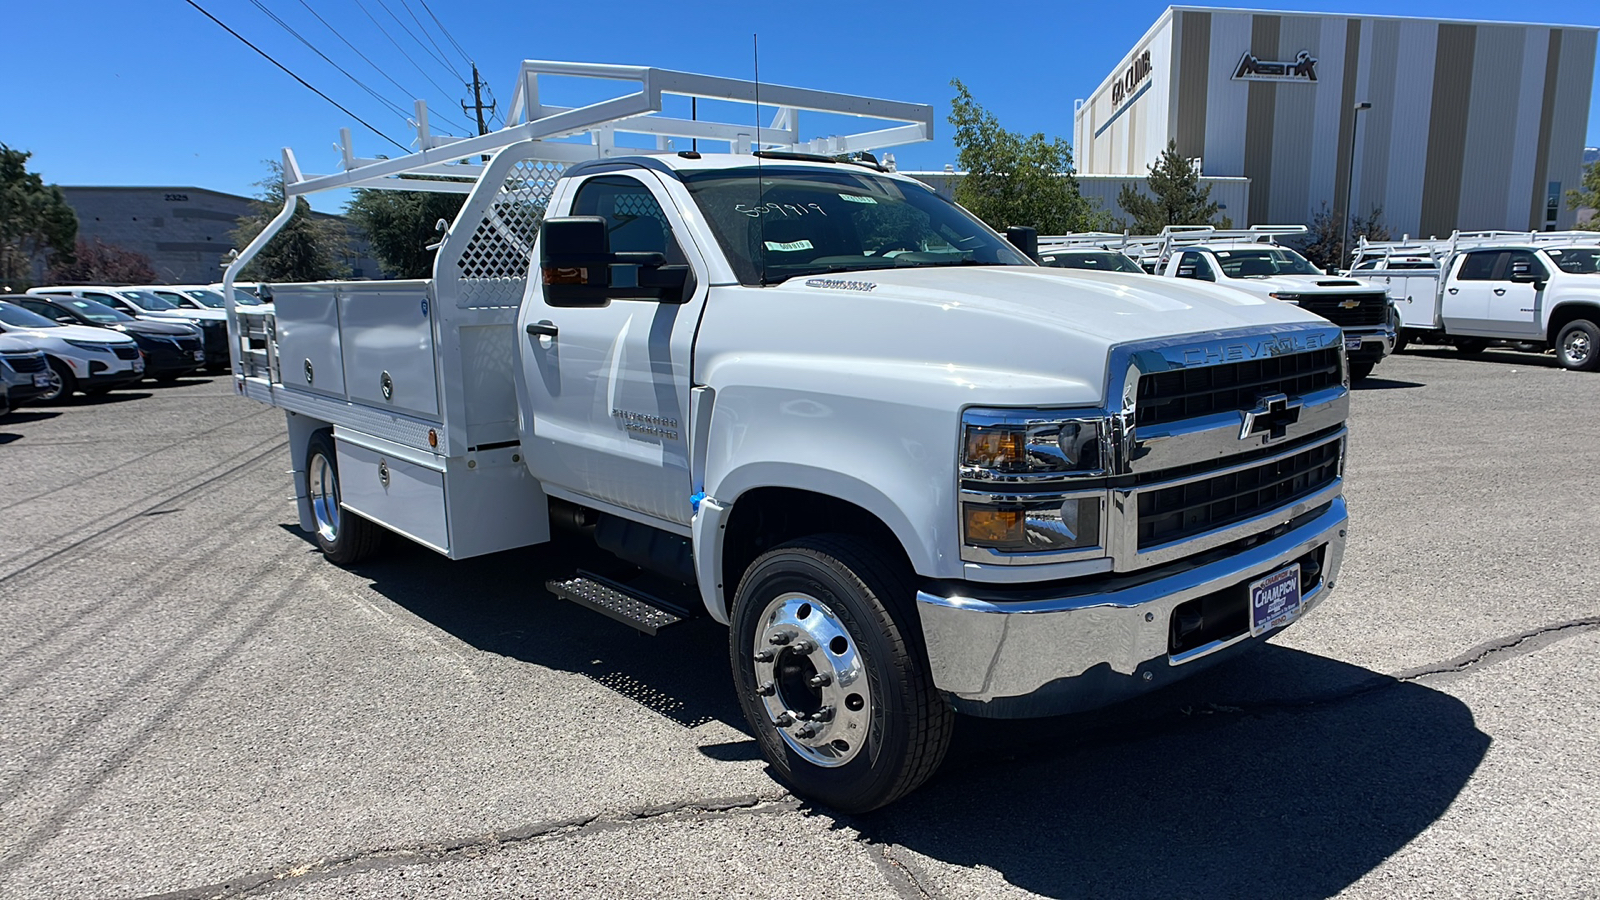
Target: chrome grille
x=28, y=363
x=1173, y=396
x=1195, y=507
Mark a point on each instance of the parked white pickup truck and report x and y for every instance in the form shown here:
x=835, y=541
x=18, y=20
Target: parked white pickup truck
x=1250, y=260
x=914, y=472
x=1538, y=288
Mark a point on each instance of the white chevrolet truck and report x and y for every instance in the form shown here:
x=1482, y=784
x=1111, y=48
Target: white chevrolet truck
x=1251, y=260
x=1532, y=288
x=913, y=472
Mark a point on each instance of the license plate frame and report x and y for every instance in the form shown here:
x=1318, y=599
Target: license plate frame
x=41, y=379
x=1275, y=599
x=1352, y=343
x=199, y=356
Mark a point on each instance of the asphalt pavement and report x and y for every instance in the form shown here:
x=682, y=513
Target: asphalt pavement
x=193, y=703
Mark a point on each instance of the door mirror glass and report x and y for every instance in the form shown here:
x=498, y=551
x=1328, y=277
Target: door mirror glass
x=579, y=270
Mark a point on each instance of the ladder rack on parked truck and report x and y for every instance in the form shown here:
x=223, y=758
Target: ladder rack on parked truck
x=1379, y=254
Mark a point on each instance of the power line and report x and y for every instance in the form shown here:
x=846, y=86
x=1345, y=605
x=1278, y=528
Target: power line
x=368, y=61
x=418, y=41
x=402, y=50
x=306, y=84
x=425, y=34
x=446, y=32
x=393, y=107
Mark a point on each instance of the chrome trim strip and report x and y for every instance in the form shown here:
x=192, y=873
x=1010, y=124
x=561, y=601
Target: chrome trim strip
x=1217, y=436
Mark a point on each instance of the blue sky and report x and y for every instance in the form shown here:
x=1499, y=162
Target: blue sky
x=152, y=92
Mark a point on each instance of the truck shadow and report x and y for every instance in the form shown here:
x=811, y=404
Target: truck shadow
x=1501, y=355
x=1282, y=773
x=1248, y=794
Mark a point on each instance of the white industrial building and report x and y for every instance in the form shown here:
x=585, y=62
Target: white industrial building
x=1471, y=125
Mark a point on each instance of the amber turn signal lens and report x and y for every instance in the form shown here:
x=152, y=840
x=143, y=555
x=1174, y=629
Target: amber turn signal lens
x=996, y=448
x=433, y=438
x=576, y=275
x=986, y=525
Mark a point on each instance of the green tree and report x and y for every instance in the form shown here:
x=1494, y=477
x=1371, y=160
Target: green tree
x=1323, y=243
x=34, y=219
x=308, y=248
x=1588, y=197
x=1176, y=196
x=95, y=262
x=1016, y=179
x=401, y=224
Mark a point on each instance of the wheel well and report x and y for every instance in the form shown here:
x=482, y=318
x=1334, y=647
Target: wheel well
x=763, y=518
x=1563, y=315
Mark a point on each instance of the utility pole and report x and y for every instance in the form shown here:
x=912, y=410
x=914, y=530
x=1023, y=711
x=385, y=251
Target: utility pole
x=477, y=101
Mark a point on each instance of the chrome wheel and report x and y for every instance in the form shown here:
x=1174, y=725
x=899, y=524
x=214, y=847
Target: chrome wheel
x=1577, y=348
x=57, y=386
x=323, y=484
x=811, y=677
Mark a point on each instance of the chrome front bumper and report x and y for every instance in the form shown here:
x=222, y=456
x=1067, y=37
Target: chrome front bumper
x=1377, y=341
x=1078, y=651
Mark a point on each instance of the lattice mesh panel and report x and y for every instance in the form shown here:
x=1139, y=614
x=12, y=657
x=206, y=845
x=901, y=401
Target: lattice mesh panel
x=494, y=266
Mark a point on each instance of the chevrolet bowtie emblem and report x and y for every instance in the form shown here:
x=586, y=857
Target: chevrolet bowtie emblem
x=1271, y=418
x=1349, y=304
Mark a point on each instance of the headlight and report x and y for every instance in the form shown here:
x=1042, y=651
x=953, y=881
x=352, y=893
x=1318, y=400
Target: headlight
x=89, y=345
x=1032, y=483
x=999, y=446
x=1285, y=297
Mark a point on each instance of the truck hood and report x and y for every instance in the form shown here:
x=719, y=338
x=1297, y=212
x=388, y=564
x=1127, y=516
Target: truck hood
x=1012, y=335
x=1300, y=284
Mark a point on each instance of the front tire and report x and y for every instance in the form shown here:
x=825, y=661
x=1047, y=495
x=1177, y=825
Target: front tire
x=1360, y=371
x=62, y=383
x=1471, y=346
x=829, y=667
x=344, y=537
x=1578, y=346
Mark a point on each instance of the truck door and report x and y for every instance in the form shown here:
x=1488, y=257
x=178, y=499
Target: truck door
x=607, y=396
x=1465, y=306
x=1514, y=304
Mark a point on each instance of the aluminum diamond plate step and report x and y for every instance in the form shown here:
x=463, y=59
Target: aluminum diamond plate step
x=627, y=605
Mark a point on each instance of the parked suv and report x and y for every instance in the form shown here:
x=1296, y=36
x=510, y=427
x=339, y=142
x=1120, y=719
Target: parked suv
x=171, y=349
x=24, y=372
x=195, y=296
x=92, y=360
x=143, y=304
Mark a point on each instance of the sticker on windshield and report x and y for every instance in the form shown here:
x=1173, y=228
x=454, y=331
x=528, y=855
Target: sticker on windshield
x=840, y=284
x=789, y=247
x=858, y=198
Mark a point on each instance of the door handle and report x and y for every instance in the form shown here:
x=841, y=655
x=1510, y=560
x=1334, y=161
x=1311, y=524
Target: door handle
x=542, y=329
x=1499, y=292
x=1455, y=290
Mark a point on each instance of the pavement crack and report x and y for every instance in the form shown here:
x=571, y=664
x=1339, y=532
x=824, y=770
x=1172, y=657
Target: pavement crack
x=432, y=853
x=1502, y=648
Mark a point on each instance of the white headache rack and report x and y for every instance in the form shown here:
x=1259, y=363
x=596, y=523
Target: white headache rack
x=416, y=378
x=1437, y=249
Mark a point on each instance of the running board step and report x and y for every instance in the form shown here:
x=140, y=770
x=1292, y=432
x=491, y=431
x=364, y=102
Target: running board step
x=627, y=605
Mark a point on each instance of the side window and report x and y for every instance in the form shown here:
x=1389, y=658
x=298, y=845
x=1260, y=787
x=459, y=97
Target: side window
x=38, y=306
x=1193, y=264
x=1525, y=262
x=1478, y=266
x=634, y=219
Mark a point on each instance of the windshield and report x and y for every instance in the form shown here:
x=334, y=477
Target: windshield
x=1104, y=261
x=215, y=300
x=1576, y=260
x=17, y=317
x=147, y=300
x=801, y=221
x=94, y=310
x=1261, y=261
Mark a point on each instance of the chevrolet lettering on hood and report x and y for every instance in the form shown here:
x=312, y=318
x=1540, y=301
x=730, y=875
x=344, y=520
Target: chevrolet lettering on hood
x=1240, y=351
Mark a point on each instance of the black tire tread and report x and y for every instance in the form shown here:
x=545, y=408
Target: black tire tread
x=933, y=721
x=359, y=538
x=1593, y=362
x=1361, y=371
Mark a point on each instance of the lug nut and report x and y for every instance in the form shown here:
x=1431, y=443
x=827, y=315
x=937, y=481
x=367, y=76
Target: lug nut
x=784, y=720
x=764, y=656
x=781, y=637
x=825, y=714
x=806, y=730
x=804, y=647
x=821, y=679
x=766, y=689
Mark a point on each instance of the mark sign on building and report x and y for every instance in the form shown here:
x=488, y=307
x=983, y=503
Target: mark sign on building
x=1138, y=72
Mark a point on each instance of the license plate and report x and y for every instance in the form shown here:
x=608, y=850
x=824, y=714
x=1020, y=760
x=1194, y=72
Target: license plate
x=138, y=364
x=199, y=356
x=1352, y=343
x=1274, y=600
x=41, y=380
